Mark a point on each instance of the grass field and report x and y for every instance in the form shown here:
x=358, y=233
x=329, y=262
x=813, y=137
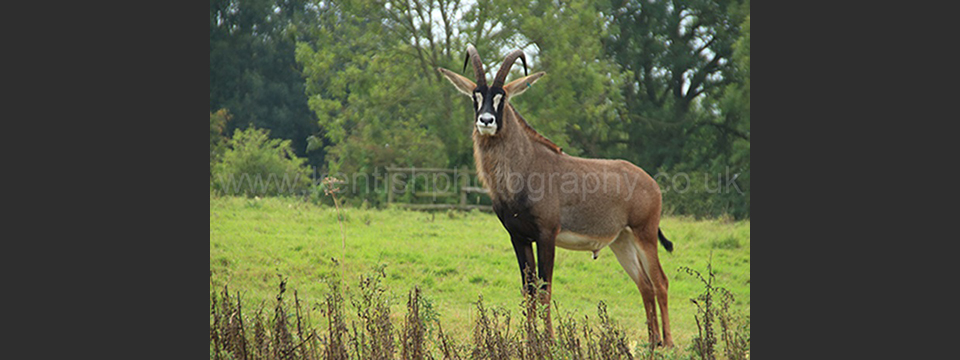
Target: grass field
x=454, y=257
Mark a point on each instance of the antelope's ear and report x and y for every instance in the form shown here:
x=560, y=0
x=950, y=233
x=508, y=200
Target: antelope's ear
x=463, y=84
x=520, y=85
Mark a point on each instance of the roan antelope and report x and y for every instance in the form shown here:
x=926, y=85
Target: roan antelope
x=545, y=196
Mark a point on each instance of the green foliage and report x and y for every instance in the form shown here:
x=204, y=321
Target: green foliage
x=575, y=104
x=353, y=84
x=253, y=71
x=377, y=103
x=720, y=191
x=255, y=165
x=218, y=121
x=721, y=149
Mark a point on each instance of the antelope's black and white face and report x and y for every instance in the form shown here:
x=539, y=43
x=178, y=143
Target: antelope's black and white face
x=488, y=104
x=489, y=101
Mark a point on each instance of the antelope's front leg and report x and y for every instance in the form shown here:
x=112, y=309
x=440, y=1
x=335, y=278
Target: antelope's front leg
x=524, y=250
x=546, y=248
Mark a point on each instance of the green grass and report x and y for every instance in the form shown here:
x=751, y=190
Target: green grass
x=454, y=257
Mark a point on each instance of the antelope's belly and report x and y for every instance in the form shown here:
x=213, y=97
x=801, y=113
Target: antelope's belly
x=573, y=241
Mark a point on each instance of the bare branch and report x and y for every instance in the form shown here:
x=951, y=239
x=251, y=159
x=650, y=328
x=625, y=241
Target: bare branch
x=446, y=28
x=416, y=37
x=426, y=26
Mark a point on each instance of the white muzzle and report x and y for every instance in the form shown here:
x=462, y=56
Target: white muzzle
x=486, y=124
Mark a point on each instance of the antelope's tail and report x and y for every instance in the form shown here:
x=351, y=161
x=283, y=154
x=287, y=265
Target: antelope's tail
x=663, y=240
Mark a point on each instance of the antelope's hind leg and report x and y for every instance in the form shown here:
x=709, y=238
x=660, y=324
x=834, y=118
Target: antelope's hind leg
x=651, y=263
x=628, y=253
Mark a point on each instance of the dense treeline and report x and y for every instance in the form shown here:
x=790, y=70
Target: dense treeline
x=353, y=84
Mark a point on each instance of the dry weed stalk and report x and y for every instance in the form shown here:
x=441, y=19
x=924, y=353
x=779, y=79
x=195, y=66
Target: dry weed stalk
x=413, y=328
x=491, y=335
x=538, y=339
x=331, y=187
x=337, y=333
x=714, y=305
x=282, y=339
x=372, y=335
x=612, y=343
x=447, y=347
x=374, y=311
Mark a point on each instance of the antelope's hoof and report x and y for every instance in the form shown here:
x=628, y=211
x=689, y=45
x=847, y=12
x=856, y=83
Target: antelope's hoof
x=662, y=345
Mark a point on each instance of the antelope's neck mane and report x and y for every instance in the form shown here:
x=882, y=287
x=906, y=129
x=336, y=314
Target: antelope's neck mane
x=525, y=130
x=533, y=134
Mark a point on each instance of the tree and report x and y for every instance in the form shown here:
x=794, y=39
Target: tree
x=253, y=72
x=576, y=102
x=654, y=83
x=676, y=54
x=686, y=103
x=372, y=79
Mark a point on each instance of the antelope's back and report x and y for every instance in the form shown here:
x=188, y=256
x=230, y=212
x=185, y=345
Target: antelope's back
x=600, y=196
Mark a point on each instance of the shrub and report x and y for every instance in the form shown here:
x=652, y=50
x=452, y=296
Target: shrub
x=255, y=165
x=218, y=121
x=717, y=193
x=369, y=332
x=713, y=305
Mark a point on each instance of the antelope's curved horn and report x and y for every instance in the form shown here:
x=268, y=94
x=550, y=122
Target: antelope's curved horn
x=477, y=65
x=507, y=64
